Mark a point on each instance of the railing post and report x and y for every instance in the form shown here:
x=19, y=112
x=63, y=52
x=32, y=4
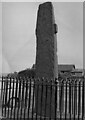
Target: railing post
x=84, y=97
x=83, y=90
x=33, y=99
x=61, y=93
x=9, y=94
x=12, y=97
x=79, y=95
x=6, y=95
x=66, y=101
x=56, y=99
x=2, y=95
x=16, y=88
x=70, y=98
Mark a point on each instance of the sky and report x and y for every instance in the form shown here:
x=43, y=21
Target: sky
x=0, y=38
x=19, y=40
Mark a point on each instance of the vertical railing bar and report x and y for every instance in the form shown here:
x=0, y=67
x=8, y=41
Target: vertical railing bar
x=20, y=111
x=66, y=102
x=6, y=96
x=5, y=86
x=26, y=96
x=70, y=98
x=15, y=97
x=33, y=98
x=74, y=97
x=18, y=105
x=49, y=84
x=55, y=99
x=19, y=95
x=46, y=86
x=12, y=98
x=83, y=99
x=29, y=98
x=79, y=95
x=37, y=98
x=3, y=97
x=64, y=95
x=58, y=97
x=21, y=78
x=50, y=97
x=77, y=98
x=4, y=89
x=61, y=99
x=15, y=100
x=9, y=95
x=2, y=100
x=22, y=97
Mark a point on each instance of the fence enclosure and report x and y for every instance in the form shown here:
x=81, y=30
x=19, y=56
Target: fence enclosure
x=42, y=98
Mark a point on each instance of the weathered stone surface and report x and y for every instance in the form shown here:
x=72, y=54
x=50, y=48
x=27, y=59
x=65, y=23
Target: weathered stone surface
x=46, y=60
x=46, y=57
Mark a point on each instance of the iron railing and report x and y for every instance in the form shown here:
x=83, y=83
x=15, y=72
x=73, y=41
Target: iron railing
x=27, y=98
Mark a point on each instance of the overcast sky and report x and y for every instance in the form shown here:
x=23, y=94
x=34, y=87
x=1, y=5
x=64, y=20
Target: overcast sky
x=19, y=40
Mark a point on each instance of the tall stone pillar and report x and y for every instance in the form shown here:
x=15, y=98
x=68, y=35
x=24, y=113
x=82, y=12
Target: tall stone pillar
x=46, y=50
x=46, y=58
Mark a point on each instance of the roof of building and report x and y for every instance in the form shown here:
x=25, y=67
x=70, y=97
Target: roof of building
x=77, y=71
x=66, y=67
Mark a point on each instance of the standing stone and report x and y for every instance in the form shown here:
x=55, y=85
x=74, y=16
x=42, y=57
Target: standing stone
x=46, y=59
x=46, y=51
